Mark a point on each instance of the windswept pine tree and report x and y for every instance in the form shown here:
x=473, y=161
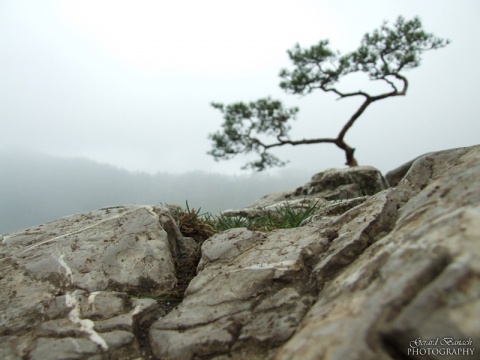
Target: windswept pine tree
x=384, y=55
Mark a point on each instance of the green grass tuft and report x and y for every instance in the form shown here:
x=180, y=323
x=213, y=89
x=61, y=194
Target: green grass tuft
x=201, y=226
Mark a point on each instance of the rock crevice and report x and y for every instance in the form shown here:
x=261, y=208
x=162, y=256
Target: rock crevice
x=373, y=269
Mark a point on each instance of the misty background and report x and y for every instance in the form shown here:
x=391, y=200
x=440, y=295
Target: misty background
x=107, y=102
x=36, y=188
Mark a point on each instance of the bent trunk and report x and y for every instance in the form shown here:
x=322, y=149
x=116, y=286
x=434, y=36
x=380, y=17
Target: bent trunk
x=349, y=153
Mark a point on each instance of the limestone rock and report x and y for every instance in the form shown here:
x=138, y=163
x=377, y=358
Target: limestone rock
x=394, y=176
x=335, y=184
x=249, y=289
x=363, y=284
x=325, y=188
x=68, y=289
x=371, y=272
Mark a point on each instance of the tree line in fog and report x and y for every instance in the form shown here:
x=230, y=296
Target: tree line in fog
x=35, y=189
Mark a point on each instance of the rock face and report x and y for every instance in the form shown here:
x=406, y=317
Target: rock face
x=74, y=288
x=402, y=265
x=324, y=187
x=373, y=271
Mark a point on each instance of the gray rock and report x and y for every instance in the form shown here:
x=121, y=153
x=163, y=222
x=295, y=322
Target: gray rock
x=67, y=287
x=373, y=270
x=394, y=176
x=400, y=265
x=122, y=247
x=248, y=290
x=325, y=188
x=334, y=184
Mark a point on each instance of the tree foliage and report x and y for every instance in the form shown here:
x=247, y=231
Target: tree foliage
x=383, y=55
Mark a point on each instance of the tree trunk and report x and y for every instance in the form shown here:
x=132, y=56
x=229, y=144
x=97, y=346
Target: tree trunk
x=351, y=161
x=349, y=151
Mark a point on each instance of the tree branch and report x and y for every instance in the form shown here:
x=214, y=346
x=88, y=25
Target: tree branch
x=382, y=55
x=299, y=142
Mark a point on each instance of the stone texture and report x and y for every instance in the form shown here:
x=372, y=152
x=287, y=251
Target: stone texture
x=325, y=188
x=69, y=288
x=403, y=264
x=372, y=270
x=334, y=184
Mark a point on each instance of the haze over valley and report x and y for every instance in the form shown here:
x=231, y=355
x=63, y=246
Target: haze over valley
x=35, y=188
x=117, y=96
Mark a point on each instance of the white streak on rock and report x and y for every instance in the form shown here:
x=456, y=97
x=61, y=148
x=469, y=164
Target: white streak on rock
x=151, y=211
x=281, y=265
x=137, y=310
x=68, y=270
x=77, y=231
x=91, y=297
x=86, y=325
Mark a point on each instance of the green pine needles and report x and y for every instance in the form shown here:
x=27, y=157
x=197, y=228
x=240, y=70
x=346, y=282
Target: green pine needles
x=384, y=55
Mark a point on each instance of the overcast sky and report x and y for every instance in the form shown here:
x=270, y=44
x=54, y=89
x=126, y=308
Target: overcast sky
x=129, y=82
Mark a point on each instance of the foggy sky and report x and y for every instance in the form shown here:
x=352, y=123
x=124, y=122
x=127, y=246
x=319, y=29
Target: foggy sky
x=129, y=82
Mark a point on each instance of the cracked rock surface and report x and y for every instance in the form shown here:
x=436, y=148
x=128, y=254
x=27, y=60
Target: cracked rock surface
x=361, y=279
x=325, y=188
x=401, y=265
x=75, y=288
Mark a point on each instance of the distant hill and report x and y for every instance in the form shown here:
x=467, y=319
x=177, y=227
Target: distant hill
x=35, y=189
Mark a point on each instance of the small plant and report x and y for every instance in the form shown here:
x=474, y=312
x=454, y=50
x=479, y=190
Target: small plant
x=193, y=225
x=282, y=217
x=222, y=222
x=202, y=226
x=292, y=218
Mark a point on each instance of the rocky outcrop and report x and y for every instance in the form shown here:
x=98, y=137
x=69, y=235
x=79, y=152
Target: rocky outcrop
x=401, y=266
x=327, y=188
x=82, y=286
x=377, y=272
